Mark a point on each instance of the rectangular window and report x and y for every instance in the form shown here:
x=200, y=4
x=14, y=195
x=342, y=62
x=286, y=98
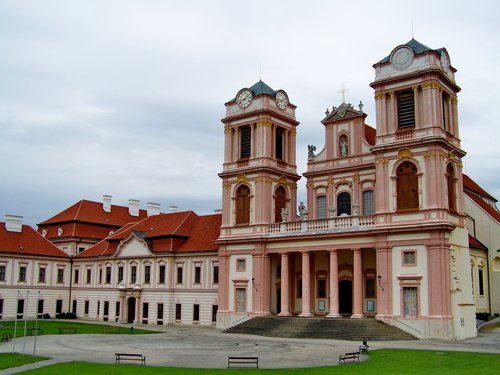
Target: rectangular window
x=179, y=275
x=196, y=313
x=406, y=110
x=159, y=312
x=1, y=308
x=41, y=275
x=40, y=307
x=279, y=143
x=409, y=258
x=368, y=203
x=197, y=274
x=241, y=265
x=100, y=275
x=60, y=275
x=89, y=275
x=147, y=274
x=120, y=274
x=161, y=278
x=177, y=311
x=214, y=313
x=98, y=308
x=245, y=141
x=241, y=300
x=106, y=308
x=86, y=308
x=410, y=302
x=321, y=207
x=117, y=310
x=216, y=274
x=20, y=308
x=22, y=273
x=2, y=273
x=322, y=288
x=75, y=305
x=76, y=276
x=108, y=275
x=133, y=274
x=59, y=306
x=370, y=288
x=481, y=282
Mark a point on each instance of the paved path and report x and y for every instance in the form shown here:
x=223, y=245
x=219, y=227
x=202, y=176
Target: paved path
x=202, y=347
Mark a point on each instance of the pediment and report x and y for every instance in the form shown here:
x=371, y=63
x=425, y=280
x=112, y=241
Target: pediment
x=344, y=111
x=133, y=246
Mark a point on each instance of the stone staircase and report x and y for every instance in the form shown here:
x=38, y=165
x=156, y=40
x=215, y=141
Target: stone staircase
x=321, y=328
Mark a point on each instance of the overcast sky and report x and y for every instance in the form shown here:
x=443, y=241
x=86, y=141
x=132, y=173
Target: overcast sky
x=125, y=97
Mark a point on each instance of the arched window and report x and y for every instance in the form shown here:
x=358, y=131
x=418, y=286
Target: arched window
x=407, y=187
x=243, y=205
x=344, y=204
x=368, y=204
x=321, y=207
x=279, y=203
x=450, y=184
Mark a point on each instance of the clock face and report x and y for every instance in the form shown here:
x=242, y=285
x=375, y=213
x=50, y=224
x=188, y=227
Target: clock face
x=244, y=98
x=402, y=58
x=445, y=64
x=281, y=100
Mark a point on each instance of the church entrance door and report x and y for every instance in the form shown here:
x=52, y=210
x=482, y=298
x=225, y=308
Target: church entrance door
x=131, y=310
x=345, y=297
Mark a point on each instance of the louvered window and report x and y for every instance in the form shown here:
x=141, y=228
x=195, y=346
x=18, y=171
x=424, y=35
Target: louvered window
x=279, y=143
x=406, y=110
x=245, y=142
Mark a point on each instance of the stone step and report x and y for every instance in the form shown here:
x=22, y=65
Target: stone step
x=321, y=328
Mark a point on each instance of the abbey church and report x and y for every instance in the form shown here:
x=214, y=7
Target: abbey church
x=391, y=230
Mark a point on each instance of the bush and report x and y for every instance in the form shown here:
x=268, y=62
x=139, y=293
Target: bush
x=66, y=315
x=46, y=316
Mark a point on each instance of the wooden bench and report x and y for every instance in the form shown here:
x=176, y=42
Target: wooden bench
x=352, y=356
x=67, y=330
x=130, y=357
x=108, y=329
x=243, y=361
x=31, y=331
x=364, y=348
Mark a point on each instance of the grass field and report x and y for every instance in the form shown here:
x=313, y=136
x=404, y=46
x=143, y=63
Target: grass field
x=8, y=360
x=52, y=327
x=384, y=361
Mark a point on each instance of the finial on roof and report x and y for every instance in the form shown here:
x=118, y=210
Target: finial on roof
x=343, y=91
x=360, y=105
x=327, y=112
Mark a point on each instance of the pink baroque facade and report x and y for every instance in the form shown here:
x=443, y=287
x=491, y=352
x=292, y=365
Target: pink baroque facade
x=382, y=233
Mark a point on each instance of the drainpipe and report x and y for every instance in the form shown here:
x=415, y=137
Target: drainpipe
x=70, y=305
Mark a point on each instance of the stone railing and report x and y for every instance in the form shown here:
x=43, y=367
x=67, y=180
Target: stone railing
x=336, y=224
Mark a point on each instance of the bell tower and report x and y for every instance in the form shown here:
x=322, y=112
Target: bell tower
x=417, y=150
x=259, y=177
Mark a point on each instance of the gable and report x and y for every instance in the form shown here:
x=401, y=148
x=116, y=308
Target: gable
x=133, y=247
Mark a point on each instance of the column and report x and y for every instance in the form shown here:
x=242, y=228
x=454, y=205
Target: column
x=285, y=286
x=357, y=287
x=122, y=318
x=306, y=285
x=334, y=285
x=137, y=319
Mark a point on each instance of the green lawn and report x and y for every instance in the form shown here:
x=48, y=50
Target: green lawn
x=51, y=327
x=8, y=360
x=385, y=361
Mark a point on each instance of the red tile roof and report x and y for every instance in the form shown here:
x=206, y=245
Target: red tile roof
x=27, y=242
x=172, y=232
x=88, y=219
x=370, y=134
x=475, y=192
x=476, y=244
x=485, y=206
x=471, y=185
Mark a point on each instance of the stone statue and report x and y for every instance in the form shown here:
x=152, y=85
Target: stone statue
x=302, y=211
x=331, y=210
x=343, y=147
x=284, y=215
x=310, y=151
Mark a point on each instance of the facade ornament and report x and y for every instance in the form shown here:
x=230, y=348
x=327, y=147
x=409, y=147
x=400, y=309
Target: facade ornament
x=404, y=153
x=241, y=178
x=343, y=147
x=355, y=208
x=327, y=112
x=302, y=211
x=331, y=211
x=360, y=106
x=284, y=215
x=310, y=151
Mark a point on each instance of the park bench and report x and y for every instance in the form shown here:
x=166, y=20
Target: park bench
x=364, y=348
x=243, y=361
x=108, y=329
x=349, y=356
x=130, y=357
x=31, y=331
x=67, y=330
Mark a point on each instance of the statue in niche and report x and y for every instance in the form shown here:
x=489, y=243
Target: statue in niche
x=302, y=211
x=343, y=147
x=284, y=215
x=310, y=151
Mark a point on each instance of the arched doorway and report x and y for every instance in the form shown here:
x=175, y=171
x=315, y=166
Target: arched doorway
x=345, y=297
x=131, y=310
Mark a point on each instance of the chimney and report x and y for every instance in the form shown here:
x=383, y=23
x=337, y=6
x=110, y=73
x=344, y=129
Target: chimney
x=13, y=223
x=133, y=207
x=106, y=203
x=153, y=208
x=173, y=208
